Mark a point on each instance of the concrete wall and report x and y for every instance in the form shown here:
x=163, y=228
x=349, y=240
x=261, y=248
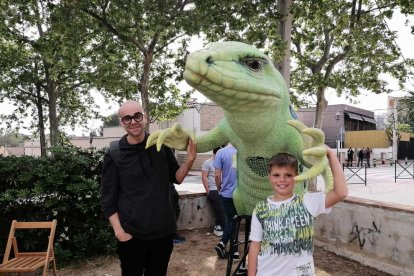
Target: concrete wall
x=198, y=162
x=374, y=233
x=373, y=230
x=195, y=212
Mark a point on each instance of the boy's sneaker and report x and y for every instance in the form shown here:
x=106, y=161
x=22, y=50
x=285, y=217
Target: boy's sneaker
x=179, y=239
x=218, y=231
x=221, y=250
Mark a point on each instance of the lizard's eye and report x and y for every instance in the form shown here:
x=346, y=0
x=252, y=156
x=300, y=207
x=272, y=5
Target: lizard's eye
x=254, y=64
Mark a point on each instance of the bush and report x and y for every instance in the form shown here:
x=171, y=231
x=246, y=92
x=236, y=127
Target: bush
x=63, y=186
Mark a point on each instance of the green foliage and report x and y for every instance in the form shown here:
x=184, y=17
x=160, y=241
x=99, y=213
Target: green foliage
x=12, y=138
x=252, y=22
x=345, y=47
x=44, y=73
x=111, y=120
x=406, y=109
x=335, y=44
x=400, y=128
x=137, y=48
x=63, y=186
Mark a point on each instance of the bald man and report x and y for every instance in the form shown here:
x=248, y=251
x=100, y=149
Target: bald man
x=136, y=195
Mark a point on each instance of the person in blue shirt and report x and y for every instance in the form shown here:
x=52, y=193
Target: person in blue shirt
x=226, y=179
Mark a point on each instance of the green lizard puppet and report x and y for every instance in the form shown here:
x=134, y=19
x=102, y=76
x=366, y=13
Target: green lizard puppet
x=257, y=119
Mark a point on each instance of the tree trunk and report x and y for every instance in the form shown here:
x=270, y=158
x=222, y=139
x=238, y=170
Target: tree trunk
x=52, y=104
x=54, y=129
x=285, y=31
x=41, y=122
x=143, y=86
x=321, y=104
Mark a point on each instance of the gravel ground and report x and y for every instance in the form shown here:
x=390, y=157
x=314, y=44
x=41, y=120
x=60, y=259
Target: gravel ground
x=197, y=257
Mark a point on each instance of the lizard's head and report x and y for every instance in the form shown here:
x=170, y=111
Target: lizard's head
x=236, y=76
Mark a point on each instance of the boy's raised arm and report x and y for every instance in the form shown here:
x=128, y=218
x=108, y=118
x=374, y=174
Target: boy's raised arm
x=340, y=189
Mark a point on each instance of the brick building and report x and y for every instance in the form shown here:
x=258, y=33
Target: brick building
x=338, y=120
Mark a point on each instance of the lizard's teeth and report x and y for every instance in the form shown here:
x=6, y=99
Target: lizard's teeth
x=253, y=96
x=203, y=70
x=213, y=74
x=241, y=85
x=192, y=78
x=241, y=95
x=216, y=88
x=228, y=83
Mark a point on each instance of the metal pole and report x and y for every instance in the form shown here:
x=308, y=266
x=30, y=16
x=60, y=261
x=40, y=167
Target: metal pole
x=337, y=150
x=394, y=133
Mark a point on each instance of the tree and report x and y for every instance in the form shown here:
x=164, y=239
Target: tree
x=399, y=128
x=146, y=32
x=406, y=109
x=111, y=120
x=343, y=45
x=19, y=83
x=42, y=66
x=12, y=138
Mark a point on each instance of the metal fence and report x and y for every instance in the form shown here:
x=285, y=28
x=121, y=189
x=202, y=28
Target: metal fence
x=358, y=174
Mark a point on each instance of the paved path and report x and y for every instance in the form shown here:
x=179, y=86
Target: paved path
x=381, y=185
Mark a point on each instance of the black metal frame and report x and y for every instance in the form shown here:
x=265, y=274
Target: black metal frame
x=355, y=171
x=405, y=169
x=241, y=268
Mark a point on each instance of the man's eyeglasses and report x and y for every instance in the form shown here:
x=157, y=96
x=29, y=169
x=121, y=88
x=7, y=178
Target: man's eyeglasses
x=138, y=116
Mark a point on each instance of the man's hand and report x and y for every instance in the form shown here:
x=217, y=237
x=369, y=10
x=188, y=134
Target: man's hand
x=120, y=233
x=123, y=236
x=191, y=150
x=186, y=166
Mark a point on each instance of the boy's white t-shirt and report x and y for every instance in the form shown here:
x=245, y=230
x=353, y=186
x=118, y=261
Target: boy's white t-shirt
x=285, y=230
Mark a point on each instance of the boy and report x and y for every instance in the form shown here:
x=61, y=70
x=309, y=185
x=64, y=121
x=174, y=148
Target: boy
x=282, y=226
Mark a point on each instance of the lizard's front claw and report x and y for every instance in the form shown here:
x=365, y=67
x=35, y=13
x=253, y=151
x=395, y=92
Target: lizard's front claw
x=175, y=137
x=314, y=154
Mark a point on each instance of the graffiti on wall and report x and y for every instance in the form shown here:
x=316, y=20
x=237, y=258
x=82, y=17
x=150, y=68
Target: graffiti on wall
x=364, y=234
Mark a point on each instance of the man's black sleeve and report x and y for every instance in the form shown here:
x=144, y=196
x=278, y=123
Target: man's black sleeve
x=172, y=164
x=109, y=186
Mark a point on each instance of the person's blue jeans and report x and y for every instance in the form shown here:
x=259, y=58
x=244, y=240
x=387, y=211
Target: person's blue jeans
x=230, y=212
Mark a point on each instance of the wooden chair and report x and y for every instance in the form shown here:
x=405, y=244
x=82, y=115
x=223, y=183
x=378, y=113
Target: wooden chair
x=29, y=261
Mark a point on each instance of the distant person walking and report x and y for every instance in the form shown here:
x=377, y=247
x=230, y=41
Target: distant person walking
x=360, y=156
x=350, y=156
x=367, y=154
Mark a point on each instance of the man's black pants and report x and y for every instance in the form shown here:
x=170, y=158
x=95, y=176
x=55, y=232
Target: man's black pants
x=213, y=197
x=145, y=257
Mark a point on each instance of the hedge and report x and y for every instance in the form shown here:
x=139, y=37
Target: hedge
x=63, y=186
